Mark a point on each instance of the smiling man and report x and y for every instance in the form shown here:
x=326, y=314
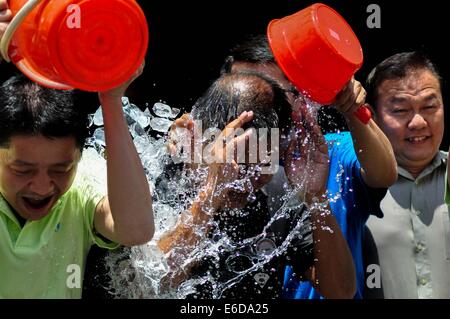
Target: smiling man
x=53, y=164
x=48, y=218
x=412, y=241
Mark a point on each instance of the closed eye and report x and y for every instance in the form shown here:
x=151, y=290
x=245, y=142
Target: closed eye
x=399, y=111
x=23, y=172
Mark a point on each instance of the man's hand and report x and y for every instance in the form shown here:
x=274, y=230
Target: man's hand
x=119, y=91
x=352, y=96
x=307, y=161
x=222, y=172
x=184, y=122
x=5, y=17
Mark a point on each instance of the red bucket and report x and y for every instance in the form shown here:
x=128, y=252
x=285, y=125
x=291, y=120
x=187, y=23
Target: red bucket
x=93, y=45
x=317, y=50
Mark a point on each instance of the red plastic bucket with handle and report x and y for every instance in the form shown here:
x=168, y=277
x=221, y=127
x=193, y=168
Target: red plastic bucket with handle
x=93, y=45
x=317, y=51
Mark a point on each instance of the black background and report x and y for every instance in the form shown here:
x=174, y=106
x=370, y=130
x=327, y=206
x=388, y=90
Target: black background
x=190, y=39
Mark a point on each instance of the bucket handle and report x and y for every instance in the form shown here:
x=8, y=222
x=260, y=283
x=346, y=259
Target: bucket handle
x=13, y=25
x=363, y=114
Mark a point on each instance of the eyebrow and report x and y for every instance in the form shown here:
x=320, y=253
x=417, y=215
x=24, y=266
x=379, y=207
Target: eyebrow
x=24, y=163
x=399, y=99
x=431, y=97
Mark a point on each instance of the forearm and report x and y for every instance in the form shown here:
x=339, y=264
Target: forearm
x=374, y=152
x=128, y=190
x=190, y=228
x=334, y=272
x=181, y=242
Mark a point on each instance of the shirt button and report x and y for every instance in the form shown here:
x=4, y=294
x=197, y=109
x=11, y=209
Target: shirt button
x=420, y=247
x=423, y=281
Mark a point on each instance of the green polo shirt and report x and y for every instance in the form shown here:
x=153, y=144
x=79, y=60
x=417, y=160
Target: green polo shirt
x=46, y=258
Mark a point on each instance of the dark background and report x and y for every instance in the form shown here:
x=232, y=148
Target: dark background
x=190, y=39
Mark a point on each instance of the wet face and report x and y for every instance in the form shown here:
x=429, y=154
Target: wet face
x=251, y=179
x=410, y=112
x=35, y=172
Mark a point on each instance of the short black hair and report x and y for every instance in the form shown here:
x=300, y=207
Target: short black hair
x=254, y=49
x=397, y=67
x=227, y=98
x=27, y=108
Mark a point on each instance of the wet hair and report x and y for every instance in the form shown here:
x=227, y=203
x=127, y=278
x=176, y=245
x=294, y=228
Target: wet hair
x=397, y=66
x=255, y=49
x=232, y=94
x=29, y=109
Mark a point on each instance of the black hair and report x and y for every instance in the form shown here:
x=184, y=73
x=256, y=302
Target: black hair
x=254, y=49
x=397, y=67
x=29, y=109
x=232, y=94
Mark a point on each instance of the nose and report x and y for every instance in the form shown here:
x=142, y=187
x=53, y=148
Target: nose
x=42, y=184
x=417, y=122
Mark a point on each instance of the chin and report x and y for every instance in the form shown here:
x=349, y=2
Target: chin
x=421, y=157
x=34, y=216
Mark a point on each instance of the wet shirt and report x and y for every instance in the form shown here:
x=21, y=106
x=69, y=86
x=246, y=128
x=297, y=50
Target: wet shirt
x=412, y=240
x=232, y=267
x=351, y=202
x=46, y=258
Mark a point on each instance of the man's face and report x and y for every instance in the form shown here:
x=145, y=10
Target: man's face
x=35, y=172
x=249, y=181
x=410, y=112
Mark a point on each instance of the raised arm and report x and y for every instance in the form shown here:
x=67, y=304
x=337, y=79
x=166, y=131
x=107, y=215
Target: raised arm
x=333, y=271
x=125, y=216
x=210, y=199
x=373, y=149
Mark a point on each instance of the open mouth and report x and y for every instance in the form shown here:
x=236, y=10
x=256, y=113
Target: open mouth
x=37, y=204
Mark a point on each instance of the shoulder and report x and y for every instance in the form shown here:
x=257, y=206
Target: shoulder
x=341, y=148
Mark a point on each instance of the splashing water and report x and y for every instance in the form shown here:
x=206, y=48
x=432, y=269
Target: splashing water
x=143, y=271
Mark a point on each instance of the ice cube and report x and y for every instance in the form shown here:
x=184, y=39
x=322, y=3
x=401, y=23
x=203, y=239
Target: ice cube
x=98, y=117
x=175, y=112
x=136, y=130
x=162, y=110
x=160, y=124
x=99, y=136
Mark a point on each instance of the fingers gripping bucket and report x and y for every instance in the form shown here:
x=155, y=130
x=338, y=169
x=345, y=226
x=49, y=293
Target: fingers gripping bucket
x=93, y=45
x=317, y=51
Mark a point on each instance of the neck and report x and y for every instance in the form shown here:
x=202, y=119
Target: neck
x=20, y=219
x=236, y=200
x=415, y=170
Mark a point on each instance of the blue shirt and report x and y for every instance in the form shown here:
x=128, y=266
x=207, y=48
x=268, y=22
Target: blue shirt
x=351, y=202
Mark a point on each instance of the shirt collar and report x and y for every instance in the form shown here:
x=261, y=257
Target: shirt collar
x=6, y=209
x=438, y=160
